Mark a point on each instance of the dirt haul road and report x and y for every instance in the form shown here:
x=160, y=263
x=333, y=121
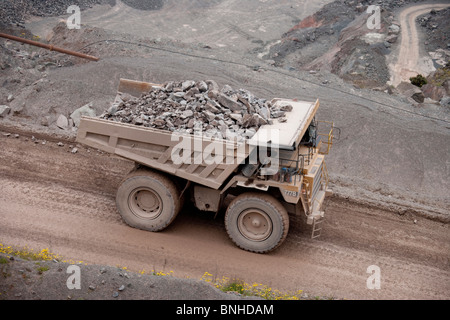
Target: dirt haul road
x=53, y=198
x=410, y=62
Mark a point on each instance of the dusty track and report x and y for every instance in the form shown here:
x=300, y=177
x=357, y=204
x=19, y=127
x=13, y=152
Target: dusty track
x=409, y=62
x=52, y=198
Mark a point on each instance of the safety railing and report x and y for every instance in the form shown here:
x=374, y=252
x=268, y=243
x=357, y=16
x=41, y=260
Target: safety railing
x=328, y=137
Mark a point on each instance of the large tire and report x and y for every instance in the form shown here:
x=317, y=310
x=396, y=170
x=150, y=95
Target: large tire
x=257, y=222
x=148, y=200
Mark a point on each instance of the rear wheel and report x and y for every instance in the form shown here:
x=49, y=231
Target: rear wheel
x=148, y=200
x=257, y=222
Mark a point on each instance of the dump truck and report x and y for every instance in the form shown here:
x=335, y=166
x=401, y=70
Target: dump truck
x=262, y=181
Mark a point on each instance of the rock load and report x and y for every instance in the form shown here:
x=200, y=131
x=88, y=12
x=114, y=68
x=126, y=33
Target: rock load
x=198, y=106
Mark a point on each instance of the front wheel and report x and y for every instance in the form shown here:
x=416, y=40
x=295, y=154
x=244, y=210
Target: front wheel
x=257, y=222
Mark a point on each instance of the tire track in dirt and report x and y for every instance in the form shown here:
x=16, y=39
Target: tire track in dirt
x=414, y=274
x=59, y=198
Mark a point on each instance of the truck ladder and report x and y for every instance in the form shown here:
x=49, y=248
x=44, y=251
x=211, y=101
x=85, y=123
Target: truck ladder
x=317, y=228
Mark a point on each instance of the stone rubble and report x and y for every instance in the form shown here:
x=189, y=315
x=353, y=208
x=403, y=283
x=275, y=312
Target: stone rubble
x=4, y=111
x=198, y=106
x=86, y=110
x=62, y=122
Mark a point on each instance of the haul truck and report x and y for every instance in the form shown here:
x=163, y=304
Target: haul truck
x=262, y=195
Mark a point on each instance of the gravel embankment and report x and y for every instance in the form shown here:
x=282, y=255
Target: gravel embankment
x=54, y=280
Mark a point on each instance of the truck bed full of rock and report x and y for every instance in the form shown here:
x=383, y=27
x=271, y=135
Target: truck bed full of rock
x=198, y=106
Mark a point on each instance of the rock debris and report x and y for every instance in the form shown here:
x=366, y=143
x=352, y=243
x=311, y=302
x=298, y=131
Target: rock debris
x=198, y=106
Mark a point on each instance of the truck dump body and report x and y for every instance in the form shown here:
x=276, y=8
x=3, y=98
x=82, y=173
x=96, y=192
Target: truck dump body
x=154, y=148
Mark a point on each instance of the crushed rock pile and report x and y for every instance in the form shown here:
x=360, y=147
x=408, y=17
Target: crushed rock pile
x=198, y=106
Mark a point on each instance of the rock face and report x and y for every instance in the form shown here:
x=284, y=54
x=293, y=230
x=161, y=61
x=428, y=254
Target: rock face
x=411, y=91
x=197, y=106
x=433, y=92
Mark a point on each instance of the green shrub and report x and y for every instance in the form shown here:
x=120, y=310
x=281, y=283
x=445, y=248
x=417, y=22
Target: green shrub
x=418, y=81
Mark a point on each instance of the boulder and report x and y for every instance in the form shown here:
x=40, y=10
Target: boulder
x=433, y=92
x=4, y=111
x=62, y=122
x=417, y=95
x=230, y=103
x=404, y=86
x=186, y=85
x=85, y=110
x=394, y=29
x=202, y=86
x=411, y=91
x=445, y=101
x=236, y=117
x=392, y=38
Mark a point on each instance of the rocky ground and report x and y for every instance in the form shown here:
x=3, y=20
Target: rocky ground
x=24, y=279
x=328, y=55
x=335, y=28
x=437, y=31
x=434, y=92
x=337, y=39
x=437, y=44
